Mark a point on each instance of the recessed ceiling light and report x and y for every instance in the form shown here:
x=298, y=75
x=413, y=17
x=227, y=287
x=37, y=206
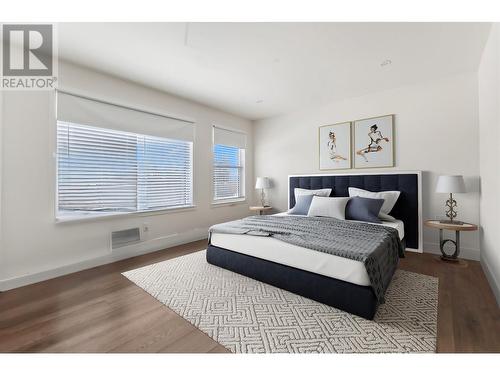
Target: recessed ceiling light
x=386, y=62
x=259, y=101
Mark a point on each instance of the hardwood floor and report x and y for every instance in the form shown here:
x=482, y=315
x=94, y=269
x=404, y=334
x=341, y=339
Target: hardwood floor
x=99, y=310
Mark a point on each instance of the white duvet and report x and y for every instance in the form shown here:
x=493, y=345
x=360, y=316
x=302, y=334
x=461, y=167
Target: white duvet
x=281, y=252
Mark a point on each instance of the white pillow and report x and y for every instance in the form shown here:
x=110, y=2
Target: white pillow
x=318, y=192
x=385, y=217
x=390, y=198
x=329, y=207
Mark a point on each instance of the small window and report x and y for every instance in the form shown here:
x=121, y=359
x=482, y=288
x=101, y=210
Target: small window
x=228, y=165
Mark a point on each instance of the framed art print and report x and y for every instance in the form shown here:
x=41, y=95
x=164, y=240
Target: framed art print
x=335, y=146
x=374, y=142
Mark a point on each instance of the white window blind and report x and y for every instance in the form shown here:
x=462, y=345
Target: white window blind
x=229, y=164
x=102, y=170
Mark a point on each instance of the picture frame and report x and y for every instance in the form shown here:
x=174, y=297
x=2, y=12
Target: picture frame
x=335, y=146
x=373, y=145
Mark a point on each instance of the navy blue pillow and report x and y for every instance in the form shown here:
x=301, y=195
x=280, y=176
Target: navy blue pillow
x=363, y=209
x=302, y=205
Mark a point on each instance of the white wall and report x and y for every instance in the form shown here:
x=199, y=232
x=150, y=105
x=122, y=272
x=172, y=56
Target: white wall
x=489, y=146
x=436, y=131
x=33, y=245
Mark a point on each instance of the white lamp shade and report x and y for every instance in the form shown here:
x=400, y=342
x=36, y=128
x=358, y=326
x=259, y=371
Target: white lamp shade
x=263, y=183
x=450, y=184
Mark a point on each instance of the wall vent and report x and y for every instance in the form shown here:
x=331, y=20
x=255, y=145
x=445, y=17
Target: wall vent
x=125, y=237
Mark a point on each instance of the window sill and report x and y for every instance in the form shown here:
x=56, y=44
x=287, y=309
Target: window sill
x=83, y=217
x=229, y=202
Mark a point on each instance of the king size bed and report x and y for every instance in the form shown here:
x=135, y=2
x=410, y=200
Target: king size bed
x=342, y=263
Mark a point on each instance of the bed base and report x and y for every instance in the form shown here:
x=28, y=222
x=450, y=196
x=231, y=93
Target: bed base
x=355, y=299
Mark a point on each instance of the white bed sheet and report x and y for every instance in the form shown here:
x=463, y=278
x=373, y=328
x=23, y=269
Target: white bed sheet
x=277, y=251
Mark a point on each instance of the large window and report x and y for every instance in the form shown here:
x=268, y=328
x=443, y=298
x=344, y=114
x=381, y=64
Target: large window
x=229, y=165
x=104, y=170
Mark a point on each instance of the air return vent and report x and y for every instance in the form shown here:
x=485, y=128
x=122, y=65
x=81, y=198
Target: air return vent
x=125, y=237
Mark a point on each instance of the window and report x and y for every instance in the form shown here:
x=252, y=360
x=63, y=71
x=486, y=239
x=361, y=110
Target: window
x=102, y=170
x=229, y=165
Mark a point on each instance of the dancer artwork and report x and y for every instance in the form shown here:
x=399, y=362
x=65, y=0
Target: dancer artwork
x=374, y=143
x=335, y=146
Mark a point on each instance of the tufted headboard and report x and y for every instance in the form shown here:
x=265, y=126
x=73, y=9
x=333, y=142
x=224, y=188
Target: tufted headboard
x=408, y=208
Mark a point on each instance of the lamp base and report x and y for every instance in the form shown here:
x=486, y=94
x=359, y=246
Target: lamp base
x=263, y=202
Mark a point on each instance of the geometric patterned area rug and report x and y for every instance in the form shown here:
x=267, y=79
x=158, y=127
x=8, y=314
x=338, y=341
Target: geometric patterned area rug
x=248, y=316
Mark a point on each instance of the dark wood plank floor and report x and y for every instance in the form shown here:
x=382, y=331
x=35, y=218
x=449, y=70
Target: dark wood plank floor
x=99, y=310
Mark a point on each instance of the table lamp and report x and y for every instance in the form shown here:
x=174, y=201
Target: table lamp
x=263, y=183
x=450, y=185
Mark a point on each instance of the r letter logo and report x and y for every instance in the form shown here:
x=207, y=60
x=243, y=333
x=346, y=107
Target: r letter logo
x=28, y=57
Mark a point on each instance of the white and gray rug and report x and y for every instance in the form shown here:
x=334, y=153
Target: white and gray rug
x=248, y=316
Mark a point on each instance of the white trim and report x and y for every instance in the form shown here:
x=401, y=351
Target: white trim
x=419, y=180
x=54, y=170
x=490, y=276
x=91, y=216
x=229, y=202
x=134, y=250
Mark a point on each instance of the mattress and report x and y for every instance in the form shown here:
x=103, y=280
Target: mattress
x=277, y=251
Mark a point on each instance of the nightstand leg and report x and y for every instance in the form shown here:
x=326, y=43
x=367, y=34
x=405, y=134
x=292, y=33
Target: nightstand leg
x=442, y=242
x=457, y=244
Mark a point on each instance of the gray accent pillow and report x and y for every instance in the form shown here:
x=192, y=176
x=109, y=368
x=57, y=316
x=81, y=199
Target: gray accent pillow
x=328, y=207
x=364, y=209
x=302, y=204
x=390, y=198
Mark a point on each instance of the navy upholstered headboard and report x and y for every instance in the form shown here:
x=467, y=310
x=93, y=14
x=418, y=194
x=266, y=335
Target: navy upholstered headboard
x=407, y=208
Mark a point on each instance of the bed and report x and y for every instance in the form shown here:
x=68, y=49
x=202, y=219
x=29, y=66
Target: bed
x=334, y=280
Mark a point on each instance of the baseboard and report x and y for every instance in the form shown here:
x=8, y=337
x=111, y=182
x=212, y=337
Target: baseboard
x=156, y=244
x=465, y=253
x=490, y=276
x=144, y=247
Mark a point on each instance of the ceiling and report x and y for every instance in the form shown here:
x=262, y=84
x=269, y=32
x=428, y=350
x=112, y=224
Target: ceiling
x=259, y=70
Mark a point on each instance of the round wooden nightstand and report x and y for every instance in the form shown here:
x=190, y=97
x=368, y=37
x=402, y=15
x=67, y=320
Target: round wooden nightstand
x=466, y=227
x=261, y=209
